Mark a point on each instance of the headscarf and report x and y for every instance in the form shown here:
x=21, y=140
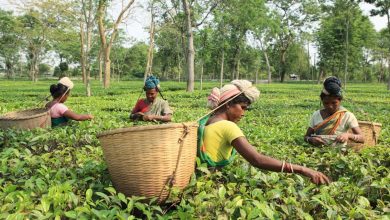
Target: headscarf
x=332, y=86
x=66, y=82
x=236, y=87
x=151, y=82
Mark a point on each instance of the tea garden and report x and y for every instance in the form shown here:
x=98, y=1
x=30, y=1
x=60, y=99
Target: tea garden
x=60, y=173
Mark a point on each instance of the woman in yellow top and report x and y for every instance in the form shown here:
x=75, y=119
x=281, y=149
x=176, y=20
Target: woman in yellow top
x=220, y=136
x=330, y=125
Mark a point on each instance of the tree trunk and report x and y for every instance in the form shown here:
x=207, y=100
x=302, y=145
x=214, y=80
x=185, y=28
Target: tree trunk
x=388, y=63
x=320, y=75
x=149, y=62
x=9, y=69
x=266, y=60
x=82, y=52
x=34, y=66
x=107, y=69
x=222, y=63
x=190, y=48
x=238, y=69
x=236, y=58
x=201, y=75
x=346, y=54
x=100, y=65
x=180, y=66
x=257, y=76
x=283, y=65
x=388, y=80
x=107, y=44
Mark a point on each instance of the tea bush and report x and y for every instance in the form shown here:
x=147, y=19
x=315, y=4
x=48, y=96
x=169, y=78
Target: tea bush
x=60, y=173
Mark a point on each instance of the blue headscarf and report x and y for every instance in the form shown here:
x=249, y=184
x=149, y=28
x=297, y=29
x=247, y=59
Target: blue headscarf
x=151, y=82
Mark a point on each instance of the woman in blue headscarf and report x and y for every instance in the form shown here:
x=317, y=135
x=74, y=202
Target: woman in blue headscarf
x=152, y=108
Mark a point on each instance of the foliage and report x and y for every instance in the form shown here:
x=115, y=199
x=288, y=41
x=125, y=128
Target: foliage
x=60, y=173
x=43, y=69
x=343, y=20
x=9, y=41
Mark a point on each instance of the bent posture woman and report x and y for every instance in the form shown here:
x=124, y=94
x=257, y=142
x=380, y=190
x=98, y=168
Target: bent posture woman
x=330, y=125
x=220, y=137
x=60, y=114
x=152, y=108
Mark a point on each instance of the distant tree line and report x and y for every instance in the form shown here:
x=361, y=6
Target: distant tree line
x=197, y=40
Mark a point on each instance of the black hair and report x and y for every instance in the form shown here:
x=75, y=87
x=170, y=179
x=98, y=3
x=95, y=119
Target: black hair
x=58, y=90
x=237, y=100
x=146, y=89
x=240, y=99
x=333, y=86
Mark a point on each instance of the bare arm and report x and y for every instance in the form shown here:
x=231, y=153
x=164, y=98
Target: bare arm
x=261, y=161
x=163, y=118
x=355, y=136
x=136, y=116
x=77, y=117
x=316, y=141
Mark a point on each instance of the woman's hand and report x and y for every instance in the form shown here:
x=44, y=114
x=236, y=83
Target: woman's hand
x=315, y=176
x=148, y=117
x=342, y=137
x=317, y=141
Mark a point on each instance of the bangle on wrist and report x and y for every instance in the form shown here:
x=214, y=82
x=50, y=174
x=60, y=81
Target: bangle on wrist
x=283, y=163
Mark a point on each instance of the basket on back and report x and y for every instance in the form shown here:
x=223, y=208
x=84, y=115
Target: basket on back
x=141, y=160
x=26, y=119
x=371, y=131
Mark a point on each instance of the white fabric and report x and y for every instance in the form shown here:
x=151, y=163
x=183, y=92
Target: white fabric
x=66, y=82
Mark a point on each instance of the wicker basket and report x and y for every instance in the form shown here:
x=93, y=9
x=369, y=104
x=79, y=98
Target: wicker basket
x=371, y=132
x=26, y=119
x=141, y=160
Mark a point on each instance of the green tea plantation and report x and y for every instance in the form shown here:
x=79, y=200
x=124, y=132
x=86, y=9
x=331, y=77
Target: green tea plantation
x=60, y=173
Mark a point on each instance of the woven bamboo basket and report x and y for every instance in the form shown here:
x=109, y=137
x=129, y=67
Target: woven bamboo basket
x=142, y=160
x=371, y=132
x=26, y=119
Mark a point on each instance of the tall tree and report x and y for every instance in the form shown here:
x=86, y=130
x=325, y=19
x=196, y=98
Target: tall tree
x=383, y=9
x=107, y=38
x=295, y=17
x=9, y=41
x=87, y=17
x=149, y=63
x=344, y=32
x=190, y=47
x=43, y=25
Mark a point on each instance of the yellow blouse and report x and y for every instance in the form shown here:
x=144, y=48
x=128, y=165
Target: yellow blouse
x=218, y=138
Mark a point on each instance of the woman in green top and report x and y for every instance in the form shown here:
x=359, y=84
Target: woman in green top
x=219, y=136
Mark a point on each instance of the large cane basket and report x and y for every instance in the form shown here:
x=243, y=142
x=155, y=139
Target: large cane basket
x=371, y=132
x=149, y=160
x=26, y=119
